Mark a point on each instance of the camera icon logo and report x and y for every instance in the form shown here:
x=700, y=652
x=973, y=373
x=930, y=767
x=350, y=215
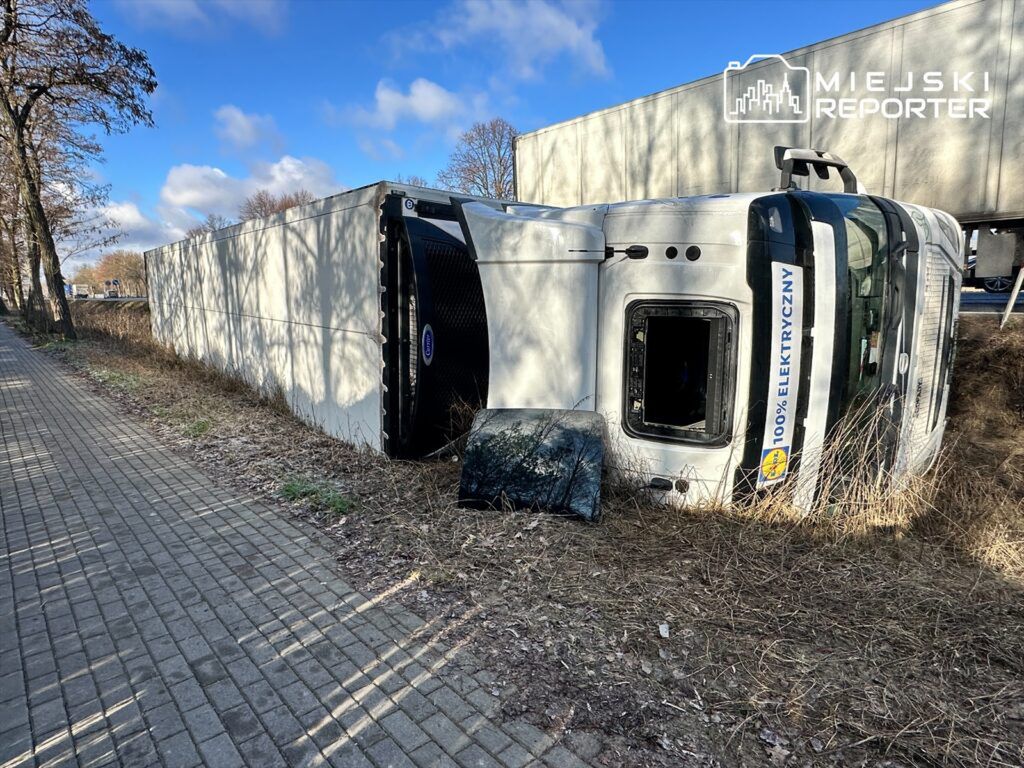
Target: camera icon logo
x=779, y=94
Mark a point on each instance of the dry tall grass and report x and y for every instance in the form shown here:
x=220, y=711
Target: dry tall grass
x=114, y=321
x=979, y=507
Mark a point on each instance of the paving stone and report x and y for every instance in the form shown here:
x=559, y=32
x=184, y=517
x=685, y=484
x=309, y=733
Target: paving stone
x=347, y=755
x=453, y=705
x=46, y=718
x=15, y=748
x=164, y=721
x=178, y=751
x=514, y=756
x=327, y=732
x=415, y=704
x=174, y=670
x=432, y=756
x=560, y=757
x=486, y=734
x=403, y=730
x=221, y=752
x=262, y=696
x=530, y=736
x=241, y=723
x=244, y=672
x=224, y=694
x=150, y=615
x=386, y=753
x=261, y=752
x=299, y=697
x=208, y=670
x=303, y=751
x=188, y=694
x=95, y=750
x=474, y=757
x=282, y=725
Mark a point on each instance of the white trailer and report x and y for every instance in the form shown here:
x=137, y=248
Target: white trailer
x=363, y=308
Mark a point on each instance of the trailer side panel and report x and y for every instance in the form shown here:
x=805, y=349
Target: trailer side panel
x=290, y=304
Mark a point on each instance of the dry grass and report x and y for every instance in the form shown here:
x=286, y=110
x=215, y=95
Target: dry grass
x=868, y=635
x=980, y=508
x=125, y=322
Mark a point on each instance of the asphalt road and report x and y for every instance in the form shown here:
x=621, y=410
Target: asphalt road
x=120, y=298
x=979, y=302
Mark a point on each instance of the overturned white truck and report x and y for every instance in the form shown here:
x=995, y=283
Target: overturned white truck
x=721, y=339
x=709, y=345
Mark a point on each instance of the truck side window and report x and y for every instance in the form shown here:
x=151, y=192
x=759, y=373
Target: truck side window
x=680, y=371
x=868, y=260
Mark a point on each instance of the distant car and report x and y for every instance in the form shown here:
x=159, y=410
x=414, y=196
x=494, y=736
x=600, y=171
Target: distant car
x=112, y=294
x=1001, y=284
x=81, y=295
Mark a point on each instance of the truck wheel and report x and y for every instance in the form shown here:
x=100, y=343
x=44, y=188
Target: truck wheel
x=997, y=284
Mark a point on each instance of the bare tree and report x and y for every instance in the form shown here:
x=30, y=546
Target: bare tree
x=482, y=163
x=211, y=223
x=265, y=203
x=72, y=199
x=413, y=180
x=12, y=250
x=257, y=205
x=59, y=158
x=54, y=51
x=127, y=267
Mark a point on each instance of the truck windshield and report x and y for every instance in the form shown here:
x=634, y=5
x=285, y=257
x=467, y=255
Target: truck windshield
x=868, y=260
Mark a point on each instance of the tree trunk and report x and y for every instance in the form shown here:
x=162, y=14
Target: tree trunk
x=28, y=187
x=18, y=292
x=11, y=230
x=35, y=307
x=48, y=254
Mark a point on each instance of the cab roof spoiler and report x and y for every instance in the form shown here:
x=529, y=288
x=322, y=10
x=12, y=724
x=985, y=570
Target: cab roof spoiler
x=794, y=161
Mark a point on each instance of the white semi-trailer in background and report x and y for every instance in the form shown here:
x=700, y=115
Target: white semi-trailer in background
x=717, y=340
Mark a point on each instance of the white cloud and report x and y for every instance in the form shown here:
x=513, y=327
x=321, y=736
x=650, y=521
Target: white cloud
x=530, y=33
x=207, y=189
x=204, y=16
x=266, y=15
x=141, y=232
x=242, y=130
x=425, y=101
x=202, y=188
x=381, y=148
x=190, y=192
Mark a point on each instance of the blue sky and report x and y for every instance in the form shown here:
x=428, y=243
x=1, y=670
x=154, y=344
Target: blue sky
x=333, y=95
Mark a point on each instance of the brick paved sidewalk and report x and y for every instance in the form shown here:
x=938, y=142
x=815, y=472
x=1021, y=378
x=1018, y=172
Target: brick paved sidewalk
x=149, y=616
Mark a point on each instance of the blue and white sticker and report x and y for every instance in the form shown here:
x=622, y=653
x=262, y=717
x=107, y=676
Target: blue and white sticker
x=784, y=373
x=427, y=344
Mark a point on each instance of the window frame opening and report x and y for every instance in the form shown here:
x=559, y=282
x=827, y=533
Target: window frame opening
x=720, y=383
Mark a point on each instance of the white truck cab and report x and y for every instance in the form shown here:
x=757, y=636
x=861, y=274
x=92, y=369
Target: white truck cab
x=721, y=339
